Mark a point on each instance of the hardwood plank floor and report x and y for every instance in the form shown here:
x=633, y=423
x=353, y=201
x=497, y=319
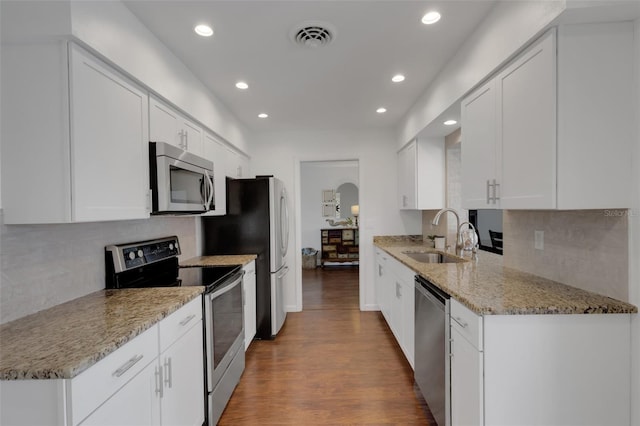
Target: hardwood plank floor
x=330, y=364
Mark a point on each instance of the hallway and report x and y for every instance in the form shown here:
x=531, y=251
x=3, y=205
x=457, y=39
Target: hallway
x=330, y=364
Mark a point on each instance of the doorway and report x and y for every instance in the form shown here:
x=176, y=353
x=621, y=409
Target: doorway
x=329, y=206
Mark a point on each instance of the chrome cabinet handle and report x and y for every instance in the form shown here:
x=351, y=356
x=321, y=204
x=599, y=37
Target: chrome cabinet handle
x=495, y=192
x=168, y=378
x=460, y=321
x=187, y=319
x=158, y=378
x=127, y=365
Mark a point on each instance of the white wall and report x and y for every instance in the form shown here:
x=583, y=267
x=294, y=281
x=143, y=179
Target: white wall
x=281, y=153
x=506, y=29
x=317, y=176
x=45, y=265
x=634, y=248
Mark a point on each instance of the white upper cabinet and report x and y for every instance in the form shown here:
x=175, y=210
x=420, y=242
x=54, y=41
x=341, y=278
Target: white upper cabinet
x=479, y=147
x=421, y=175
x=237, y=164
x=168, y=125
x=526, y=92
x=215, y=151
x=553, y=129
x=109, y=143
x=74, y=135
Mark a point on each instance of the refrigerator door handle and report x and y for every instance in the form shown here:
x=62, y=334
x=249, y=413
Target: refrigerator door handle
x=283, y=272
x=284, y=223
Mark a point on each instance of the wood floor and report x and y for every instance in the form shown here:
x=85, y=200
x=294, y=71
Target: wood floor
x=331, y=364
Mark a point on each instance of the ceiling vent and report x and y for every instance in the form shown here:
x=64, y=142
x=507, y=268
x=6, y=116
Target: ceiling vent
x=313, y=34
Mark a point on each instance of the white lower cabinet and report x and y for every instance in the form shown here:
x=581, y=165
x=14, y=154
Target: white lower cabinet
x=182, y=398
x=539, y=369
x=249, y=285
x=396, y=298
x=134, y=405
x=466, y=367
x=155, y=379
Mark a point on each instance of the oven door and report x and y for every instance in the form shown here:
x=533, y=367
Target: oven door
x=224, y=327
x=182, y=187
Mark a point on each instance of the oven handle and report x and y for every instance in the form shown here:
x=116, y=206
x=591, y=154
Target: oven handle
x=227, y=287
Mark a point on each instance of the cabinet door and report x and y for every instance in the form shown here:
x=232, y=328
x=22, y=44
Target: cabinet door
x=136, y=404
x=109, y=143
x=245, y=170
x=164, y=123
x=407, y=158
x=232, y=163
x=466, y=382
x=480, y=153
x=183, y=380
x=396, y=309
x=526, y=92
x=191, y=137
x=249, y=284
x=408, y=321
x=215, y=151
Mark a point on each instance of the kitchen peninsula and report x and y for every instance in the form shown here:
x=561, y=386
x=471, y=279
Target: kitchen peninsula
x=523, y=349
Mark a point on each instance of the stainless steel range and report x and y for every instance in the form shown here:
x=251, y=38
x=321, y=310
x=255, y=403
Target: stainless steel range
x=154, y=263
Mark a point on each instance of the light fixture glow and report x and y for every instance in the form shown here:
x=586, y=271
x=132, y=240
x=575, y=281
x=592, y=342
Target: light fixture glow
x=381, y=110
x=397, y=78
x=203, y=30
x=263, y=115
x=450, y=122
x=242, y=85
x=431, y=18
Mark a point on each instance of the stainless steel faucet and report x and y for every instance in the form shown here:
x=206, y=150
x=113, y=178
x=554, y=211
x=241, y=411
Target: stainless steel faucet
x=474, y=241
x=455, y=213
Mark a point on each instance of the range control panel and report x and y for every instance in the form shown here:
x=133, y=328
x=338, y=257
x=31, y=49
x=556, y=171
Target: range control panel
x=134, y=255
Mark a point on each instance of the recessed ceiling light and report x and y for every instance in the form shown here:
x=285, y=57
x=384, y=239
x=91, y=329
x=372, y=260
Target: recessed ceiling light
x=450, y=122
x=263, y=115
x=397, y=78
x=431, y=18
x=203, y=30
x=381, y=110
x=242, y=85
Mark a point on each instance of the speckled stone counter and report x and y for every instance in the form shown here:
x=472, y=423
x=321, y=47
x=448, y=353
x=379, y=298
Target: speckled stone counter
x=488, y=288
x=226, y=260
x=65, y=340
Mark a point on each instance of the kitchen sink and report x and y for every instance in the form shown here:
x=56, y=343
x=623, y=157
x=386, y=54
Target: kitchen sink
x=430, y=257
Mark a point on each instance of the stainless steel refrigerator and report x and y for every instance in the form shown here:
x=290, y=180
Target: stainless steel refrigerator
x=257, y=222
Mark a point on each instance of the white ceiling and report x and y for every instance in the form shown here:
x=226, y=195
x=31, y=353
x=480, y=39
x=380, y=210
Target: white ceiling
x=338, y=86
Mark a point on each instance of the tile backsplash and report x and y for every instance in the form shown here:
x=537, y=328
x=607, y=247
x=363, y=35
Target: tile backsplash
x=45, y=265
x=587, y=249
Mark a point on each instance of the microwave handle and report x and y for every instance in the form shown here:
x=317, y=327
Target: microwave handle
x=211, y=189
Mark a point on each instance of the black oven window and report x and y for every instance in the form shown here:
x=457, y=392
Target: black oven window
x=227, y=322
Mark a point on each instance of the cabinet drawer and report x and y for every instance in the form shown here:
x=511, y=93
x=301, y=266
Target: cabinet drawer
x=179, y=322
x=467, y=322
x=95, y=385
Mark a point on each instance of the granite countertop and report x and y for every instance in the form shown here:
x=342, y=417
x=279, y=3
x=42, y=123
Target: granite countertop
x=65, y=340
x=488, y=288
x=225, y=260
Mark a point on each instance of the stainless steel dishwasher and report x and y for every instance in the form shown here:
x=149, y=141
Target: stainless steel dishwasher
x=432, y=348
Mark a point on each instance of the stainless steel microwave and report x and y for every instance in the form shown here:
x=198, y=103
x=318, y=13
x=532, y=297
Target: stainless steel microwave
x=181, y=182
